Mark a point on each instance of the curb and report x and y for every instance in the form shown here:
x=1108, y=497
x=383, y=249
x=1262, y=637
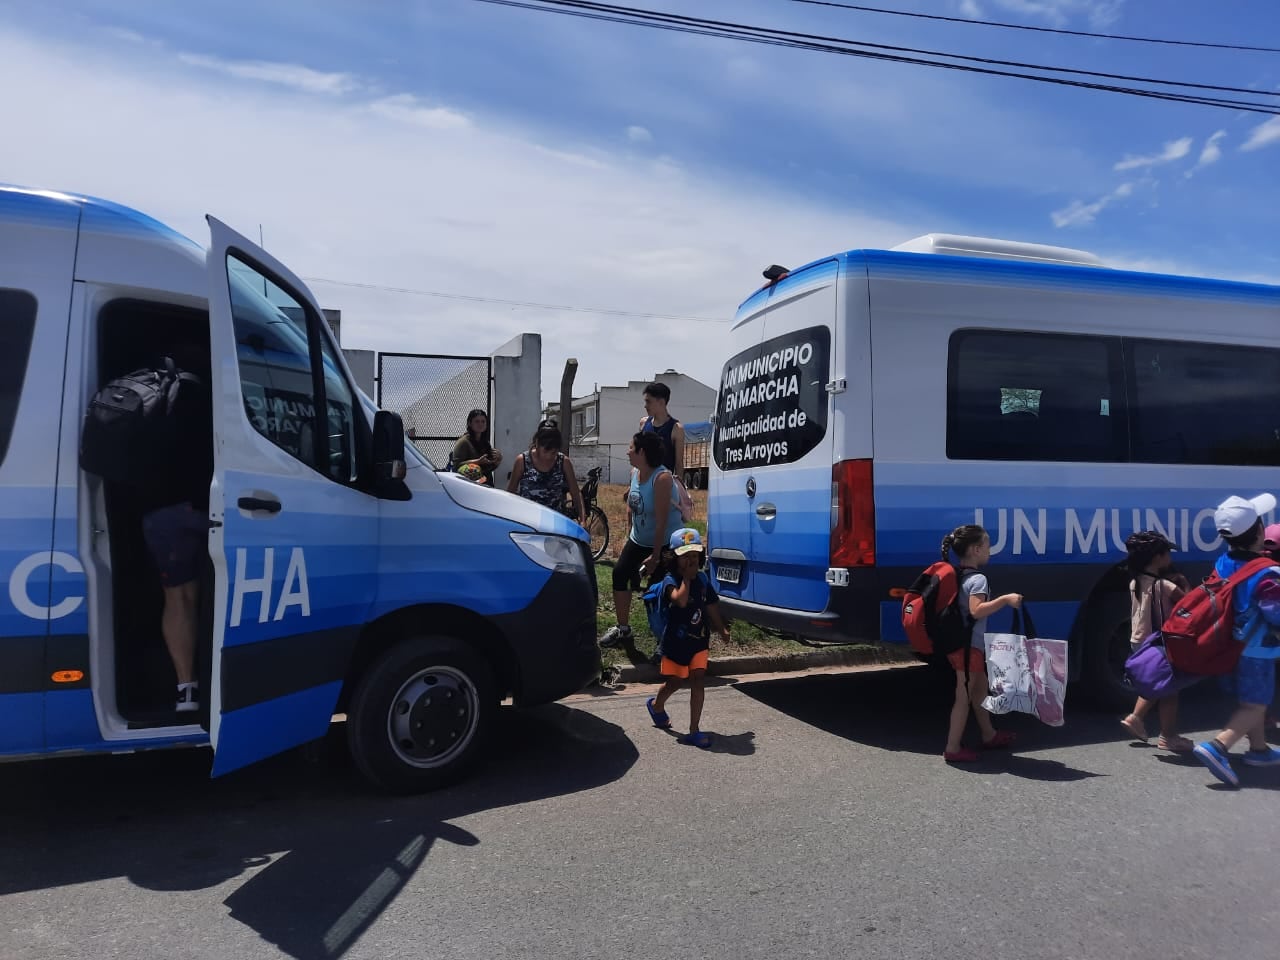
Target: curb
x=852, y=656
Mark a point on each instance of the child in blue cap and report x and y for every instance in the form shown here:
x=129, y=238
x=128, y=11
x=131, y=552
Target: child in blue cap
x=689, y=602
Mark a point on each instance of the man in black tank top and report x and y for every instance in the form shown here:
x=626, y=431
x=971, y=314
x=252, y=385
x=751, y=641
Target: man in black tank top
x=656, y=398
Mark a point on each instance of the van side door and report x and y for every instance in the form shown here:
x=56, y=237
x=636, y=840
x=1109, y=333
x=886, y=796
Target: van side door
x=38, y=240
x=294, y=537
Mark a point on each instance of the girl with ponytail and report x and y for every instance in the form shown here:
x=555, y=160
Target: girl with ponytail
x=972, y=549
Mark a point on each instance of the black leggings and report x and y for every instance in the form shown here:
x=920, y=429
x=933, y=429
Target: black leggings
x=626, y=572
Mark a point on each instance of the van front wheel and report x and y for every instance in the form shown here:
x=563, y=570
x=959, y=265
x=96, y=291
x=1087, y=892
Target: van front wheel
x=421, y=714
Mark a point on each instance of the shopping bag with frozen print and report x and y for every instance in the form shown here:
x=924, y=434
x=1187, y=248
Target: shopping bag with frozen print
x=1026, y=673
x=1008, y=672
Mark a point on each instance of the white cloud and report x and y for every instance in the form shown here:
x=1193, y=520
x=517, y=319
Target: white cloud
x=291, y=75
x=127, y=35
x=970, y=9
x=406, y=108
x=1210, y=153
x=1059, y=13
x=1263, y=135
x=1173, y=150
x=1078, y=213
x=639, y=135
x=351, y=193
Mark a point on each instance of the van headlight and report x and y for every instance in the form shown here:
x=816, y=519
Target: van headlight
x=554, y=553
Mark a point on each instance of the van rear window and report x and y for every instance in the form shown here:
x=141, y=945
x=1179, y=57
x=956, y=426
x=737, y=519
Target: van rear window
x=772, y=404
x=17, y=327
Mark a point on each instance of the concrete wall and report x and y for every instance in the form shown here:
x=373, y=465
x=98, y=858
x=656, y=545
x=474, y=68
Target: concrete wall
x=588, y=455
x=517, y=399
x=622, y=407
x=364, y=367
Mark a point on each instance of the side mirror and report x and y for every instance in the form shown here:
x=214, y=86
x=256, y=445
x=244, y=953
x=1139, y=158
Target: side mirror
x=388, y=446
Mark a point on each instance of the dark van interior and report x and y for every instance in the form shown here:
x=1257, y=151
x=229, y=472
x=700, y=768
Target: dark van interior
x=133, y=335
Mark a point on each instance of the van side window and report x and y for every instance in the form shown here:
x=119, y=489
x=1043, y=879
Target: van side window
x=17, y=327
x=288, y=375
x=1209, y=403
x=1033, y=396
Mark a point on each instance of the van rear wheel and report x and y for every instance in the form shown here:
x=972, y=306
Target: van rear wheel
x=1104, y=662
x=421, y=714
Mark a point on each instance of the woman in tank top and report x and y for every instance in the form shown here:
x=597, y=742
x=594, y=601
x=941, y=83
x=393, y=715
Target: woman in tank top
x=545, y=475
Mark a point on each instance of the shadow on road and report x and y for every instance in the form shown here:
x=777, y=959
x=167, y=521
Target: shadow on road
x=157, y=820
x=906, y=710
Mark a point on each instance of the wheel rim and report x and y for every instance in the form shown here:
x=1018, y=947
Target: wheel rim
x=433, y=717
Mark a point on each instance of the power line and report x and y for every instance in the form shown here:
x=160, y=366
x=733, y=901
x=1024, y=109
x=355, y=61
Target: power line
x=1022, y=26
x=471, y=298
x=633, y=16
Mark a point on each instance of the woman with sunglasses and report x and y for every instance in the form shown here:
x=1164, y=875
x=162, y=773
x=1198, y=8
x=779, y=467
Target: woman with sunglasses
x=544, y=474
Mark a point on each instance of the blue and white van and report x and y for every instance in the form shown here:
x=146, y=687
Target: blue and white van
x=345, y=575
x=874, y=400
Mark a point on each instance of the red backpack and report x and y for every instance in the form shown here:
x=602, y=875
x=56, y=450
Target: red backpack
x=931, y=614
x=1199, y=635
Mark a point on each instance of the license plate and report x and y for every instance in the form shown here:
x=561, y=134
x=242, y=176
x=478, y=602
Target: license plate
x=728, y=572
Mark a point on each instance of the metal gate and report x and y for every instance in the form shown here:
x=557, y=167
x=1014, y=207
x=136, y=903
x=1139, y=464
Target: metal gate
x=433, y=393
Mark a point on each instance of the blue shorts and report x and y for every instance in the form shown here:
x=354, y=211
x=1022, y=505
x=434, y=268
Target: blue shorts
x=1253, y=682
x=178, y=538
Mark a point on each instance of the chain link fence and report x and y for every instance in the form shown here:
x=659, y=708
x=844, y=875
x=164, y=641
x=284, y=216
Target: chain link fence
x=433, y=393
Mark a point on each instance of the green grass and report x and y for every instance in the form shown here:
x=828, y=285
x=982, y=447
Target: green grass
x=746, y=638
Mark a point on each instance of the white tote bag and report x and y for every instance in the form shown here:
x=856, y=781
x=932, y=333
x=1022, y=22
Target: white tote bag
x=1026, y=673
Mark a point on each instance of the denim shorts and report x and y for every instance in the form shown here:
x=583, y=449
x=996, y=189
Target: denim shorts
x=178, y=538
x=1253, y=682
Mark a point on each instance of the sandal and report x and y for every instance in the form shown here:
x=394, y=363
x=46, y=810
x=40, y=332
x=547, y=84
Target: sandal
x=1002, y=739
x=1135, y=727
x=1174, y=744
x=659, y=717
x=963, y=755
x=698, y=738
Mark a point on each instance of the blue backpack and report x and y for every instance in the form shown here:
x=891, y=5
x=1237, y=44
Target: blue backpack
x=656, y=610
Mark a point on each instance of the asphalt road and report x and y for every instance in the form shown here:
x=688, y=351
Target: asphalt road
x=823, y=823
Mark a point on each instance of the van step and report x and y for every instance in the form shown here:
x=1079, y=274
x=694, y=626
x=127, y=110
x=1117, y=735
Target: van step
x=162, y=718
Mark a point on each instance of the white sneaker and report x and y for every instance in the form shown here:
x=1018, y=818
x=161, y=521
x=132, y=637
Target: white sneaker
x=188, y=698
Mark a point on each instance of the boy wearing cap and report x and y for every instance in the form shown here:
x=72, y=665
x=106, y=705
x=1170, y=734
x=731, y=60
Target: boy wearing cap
x=1257, y=616
x=689, y=601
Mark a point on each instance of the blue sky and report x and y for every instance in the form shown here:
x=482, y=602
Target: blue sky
x=459, y=147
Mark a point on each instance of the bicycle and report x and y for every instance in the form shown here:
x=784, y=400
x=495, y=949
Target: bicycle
x=597, y=523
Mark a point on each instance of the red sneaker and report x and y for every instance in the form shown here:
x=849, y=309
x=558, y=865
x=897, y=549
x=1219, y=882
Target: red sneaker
x=1002, y=739
x=963, y=755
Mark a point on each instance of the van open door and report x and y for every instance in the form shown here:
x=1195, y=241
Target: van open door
x=294, y=528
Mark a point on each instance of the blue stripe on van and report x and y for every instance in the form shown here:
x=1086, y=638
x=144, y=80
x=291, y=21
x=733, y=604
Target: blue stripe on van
x=815, y=274
x=1028, y=524
x=273, y=726
x=945, y=268
x=102, y=216
x=470, y=562
x=22, y=723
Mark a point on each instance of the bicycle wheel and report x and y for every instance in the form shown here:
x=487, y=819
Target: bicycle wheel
x=597, y=526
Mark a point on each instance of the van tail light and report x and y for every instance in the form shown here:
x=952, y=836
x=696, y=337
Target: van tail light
x=853, y=515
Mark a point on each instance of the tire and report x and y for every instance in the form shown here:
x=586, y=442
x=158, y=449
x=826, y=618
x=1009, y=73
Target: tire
x=421, y=714
x=598, y=527
x=1108, y=648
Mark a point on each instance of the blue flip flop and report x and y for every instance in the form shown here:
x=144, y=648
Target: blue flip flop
x=701, y=739
x=659, y=717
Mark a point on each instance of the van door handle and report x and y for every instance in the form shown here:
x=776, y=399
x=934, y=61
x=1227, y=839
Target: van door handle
x=766, y=511
x=258, y=503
